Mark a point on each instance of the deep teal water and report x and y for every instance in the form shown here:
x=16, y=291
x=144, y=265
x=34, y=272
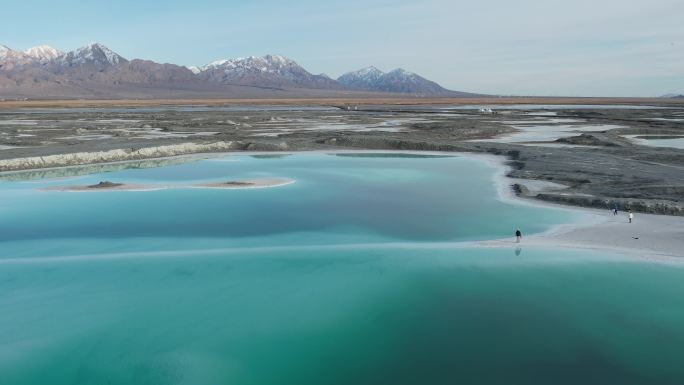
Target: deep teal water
x=352, y=275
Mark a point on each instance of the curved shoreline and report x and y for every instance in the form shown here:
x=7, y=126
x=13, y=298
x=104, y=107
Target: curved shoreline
x=652, y=236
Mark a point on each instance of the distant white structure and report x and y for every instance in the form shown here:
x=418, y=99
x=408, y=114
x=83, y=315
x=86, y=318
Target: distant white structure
x=487, y=111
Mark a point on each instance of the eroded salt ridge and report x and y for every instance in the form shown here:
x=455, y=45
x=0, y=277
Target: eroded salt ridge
x=116, y=155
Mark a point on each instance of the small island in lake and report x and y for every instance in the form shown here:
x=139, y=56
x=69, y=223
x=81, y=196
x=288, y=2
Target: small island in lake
x=231, y=184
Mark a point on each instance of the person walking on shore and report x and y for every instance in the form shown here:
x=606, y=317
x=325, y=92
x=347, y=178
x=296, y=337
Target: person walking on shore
x=631, y=216
x=615, y=209
x=518, y=236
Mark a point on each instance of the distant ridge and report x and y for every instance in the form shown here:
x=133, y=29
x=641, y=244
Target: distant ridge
x=95, y=71
x=397, y=81
x=264, y=71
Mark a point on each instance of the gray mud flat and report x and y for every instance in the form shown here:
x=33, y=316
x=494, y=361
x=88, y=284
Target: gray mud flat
x=599, y=166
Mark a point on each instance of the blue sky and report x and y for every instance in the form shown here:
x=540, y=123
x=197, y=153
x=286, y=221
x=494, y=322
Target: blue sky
x=523, y=47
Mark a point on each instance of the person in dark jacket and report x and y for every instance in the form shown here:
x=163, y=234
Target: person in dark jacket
x=518, y=236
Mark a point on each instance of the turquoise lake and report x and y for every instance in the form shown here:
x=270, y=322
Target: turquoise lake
x=363, y=271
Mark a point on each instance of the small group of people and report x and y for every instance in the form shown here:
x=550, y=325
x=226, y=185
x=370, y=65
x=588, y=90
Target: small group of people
x=630, y=214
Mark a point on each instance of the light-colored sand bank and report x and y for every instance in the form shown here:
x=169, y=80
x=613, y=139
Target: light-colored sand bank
x=227, y=185
x=256, y=183
x=648, y=235
x=651, y=236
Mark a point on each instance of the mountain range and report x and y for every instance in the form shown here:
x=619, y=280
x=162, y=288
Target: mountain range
x=398, y=80
x=95, y=71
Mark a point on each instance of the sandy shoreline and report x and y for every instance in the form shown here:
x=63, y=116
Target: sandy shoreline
x=649, y=236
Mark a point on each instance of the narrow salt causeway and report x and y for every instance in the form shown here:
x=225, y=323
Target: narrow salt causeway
x=245, y=184
x=226, y=185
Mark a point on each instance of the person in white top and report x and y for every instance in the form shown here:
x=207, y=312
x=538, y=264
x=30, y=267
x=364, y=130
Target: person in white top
x=631, y=216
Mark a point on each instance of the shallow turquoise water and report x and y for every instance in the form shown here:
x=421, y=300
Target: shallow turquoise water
x=351, y=275
x=674, y=143
x=336, y=199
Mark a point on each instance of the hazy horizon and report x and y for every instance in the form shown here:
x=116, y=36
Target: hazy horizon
x=548, y=48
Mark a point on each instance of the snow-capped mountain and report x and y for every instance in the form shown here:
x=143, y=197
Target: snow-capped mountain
x=194, y=69
x=10, y=59
x=43, y=53
x=90, y=71
x=365, y=78
x=398, y=80
x=95, y=55
x=97, y=71
x=274, y=71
